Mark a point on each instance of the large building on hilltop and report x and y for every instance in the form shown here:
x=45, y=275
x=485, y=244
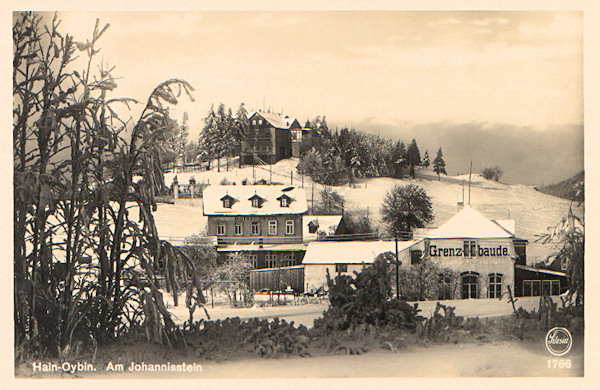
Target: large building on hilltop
x=262, y=222
x=271, y=138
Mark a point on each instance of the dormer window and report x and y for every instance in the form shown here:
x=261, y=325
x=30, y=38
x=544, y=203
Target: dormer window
x=256, y=201
x=284, y=200
x=227, y=201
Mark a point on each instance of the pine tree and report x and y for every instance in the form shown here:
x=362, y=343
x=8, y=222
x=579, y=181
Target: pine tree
x=426, y=160
x=324, y=123
x=439, y=165
x=414, y=157
x=209, y=135
x=242, y=123
x=399, y=157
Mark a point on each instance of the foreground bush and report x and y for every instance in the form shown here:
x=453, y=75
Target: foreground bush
x=365, y=300
x=225, y=339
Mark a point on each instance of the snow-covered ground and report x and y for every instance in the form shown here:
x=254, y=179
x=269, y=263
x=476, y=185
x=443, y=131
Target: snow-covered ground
x=532, y=211
x=307, y=313
x=498, y=359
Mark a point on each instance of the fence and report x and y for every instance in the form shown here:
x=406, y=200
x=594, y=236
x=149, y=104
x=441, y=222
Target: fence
x=276, y=279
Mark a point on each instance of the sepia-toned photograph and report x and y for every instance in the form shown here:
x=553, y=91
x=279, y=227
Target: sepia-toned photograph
x=249, y=194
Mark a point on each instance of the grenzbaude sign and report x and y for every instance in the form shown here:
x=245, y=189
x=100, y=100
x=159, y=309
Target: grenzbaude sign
x=500, y=250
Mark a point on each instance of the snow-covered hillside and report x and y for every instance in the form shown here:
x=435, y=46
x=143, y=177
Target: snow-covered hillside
x=532, y=211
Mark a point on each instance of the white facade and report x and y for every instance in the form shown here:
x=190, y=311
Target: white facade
x=481, y=250
x=493, y=258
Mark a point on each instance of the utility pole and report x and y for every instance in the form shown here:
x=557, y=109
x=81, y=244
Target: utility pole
x=292, y=178
x=302, y=176
x=397, y=268
x=312, y=199
x=470, y=168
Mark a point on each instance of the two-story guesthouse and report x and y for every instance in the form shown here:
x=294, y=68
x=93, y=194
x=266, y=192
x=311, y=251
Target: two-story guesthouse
x=261, y=222
x=270, y=138
x=481, y=250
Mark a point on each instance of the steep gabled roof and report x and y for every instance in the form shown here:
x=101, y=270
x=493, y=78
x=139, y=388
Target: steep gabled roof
x=470, y=223
x=276, y=120
x=243, y=206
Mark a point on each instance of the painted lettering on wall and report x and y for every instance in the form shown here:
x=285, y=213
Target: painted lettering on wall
x=434, y=251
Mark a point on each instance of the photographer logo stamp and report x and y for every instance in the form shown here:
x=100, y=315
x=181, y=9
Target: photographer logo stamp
x=559, y=341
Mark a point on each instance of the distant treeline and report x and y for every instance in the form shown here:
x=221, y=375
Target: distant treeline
x=334, y=157
x=566, y=189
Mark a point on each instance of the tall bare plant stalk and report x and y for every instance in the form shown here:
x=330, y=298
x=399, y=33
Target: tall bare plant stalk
x=84, y=271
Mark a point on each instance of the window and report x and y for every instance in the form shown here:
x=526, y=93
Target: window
x=251, y=259
x=546, y=287
x=227, y=203
x=284, y=202
x=255, y=228
x=527, y=288
x=221, y=229
x=469, y=285
x=415, y=257
x=495, y=287
x=289, y=227
x=272, y=228
x=260, y=122
x=271, y=261
x=555, y=287
x=255, y=202
x=288, y=260
x=470, y=248
x=532, y=288
x=537, y=287
x=238, y=229
x=339, y=268
x=563, y=264
x=253, y=122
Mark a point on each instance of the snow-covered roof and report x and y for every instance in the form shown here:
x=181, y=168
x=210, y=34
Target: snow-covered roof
x=351, y=252
x=278, y=121
x=264, y=247
x=175, y=222
x=507, y=224
x=470, y=223
x=326, y=224
x=541, y=270
x=242, y=205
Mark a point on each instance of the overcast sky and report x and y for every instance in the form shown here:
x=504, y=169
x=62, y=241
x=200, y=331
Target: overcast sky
x=419, y=67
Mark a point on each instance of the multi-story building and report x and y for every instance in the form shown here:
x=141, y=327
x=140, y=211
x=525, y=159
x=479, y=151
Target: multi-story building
x=270, y=138
x=262, y=223
x=490, y=258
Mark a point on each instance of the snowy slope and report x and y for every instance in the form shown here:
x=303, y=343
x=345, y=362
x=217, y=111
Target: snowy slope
x=532, y=211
